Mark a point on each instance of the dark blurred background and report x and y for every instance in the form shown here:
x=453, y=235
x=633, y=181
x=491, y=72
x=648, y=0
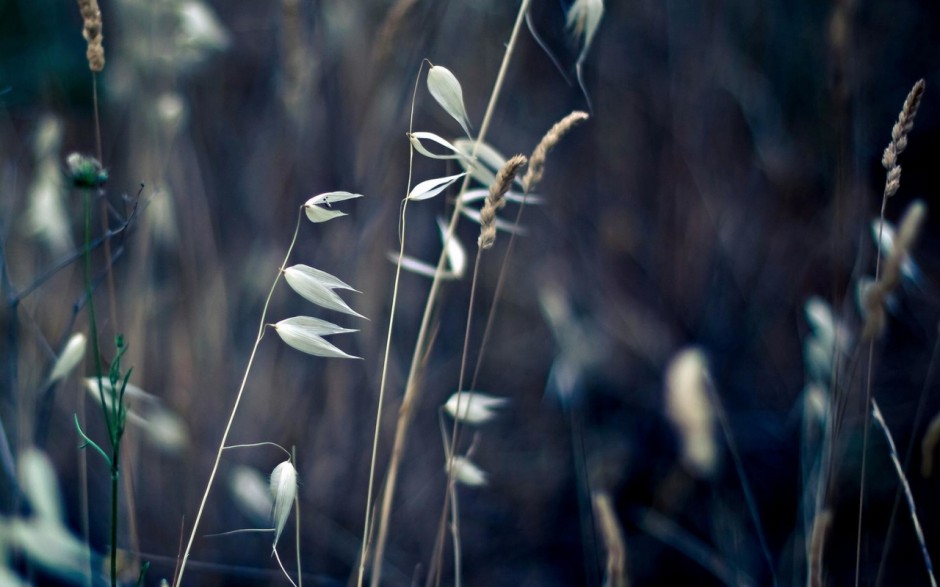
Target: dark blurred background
x=730, y=171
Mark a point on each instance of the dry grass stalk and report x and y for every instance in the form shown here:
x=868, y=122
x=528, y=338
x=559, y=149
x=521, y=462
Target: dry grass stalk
x=537, y=160
x=927, y=446
x=890, y=278
x=496, y=199
x=821, y=526
x=899, y=138
x=612, y=534
x=91, y=30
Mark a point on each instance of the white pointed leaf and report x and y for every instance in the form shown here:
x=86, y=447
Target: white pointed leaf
x=445, y=88
x=514, y=197
x=70, y=357
x=456, y=256
x=284, y=490
x=418, y=267
x=467, y=473
x=310, y=284
x=473, y=407
x=305, y=334
x=504, y=225
x=432, y=187
x=314, y=207
x=417, y=137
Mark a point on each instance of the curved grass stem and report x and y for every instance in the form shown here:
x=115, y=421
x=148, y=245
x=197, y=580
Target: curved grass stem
x=238, y=398
x=406, y=411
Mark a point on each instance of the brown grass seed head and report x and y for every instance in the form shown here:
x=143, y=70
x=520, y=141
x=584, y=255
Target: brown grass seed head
x=91, y=30
x=551, y=138
x=496, y=199
x=899, y=138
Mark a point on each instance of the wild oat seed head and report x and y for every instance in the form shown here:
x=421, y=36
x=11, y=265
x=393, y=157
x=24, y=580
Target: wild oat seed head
x=496, y=200
x=691, y=412
x=537, y=159
x=899, y=138
x=91, y=30
x=284, y=490
x=907, y=233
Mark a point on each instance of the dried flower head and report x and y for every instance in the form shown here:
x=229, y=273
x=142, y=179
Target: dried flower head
x=495, y=200
x=91, y=30
x=551, y=138
x=899, y=138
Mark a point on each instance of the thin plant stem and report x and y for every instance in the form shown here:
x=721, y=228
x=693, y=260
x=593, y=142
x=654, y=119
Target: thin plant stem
x=366, y=526
x=915, y=426
x=300, y=575
x=742, y=476
x=280, y=564
x=455, y=434
x=868, y=402
x=893, y=453
x=411, y=386
x=238, y=398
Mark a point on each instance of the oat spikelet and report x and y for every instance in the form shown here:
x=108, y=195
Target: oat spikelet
x=891, y=276
x=91, y=30
x=691, y=412
x=817, y=545
x=537, y=159
x=612, y=533
x=899, y=139
x=496, y=199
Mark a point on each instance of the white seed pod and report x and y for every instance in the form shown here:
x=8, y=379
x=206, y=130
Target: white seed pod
x=431, y=187
x=473, y=407
x=284, y=490
x=445, y=88
x=456, y=255
x=455, y=262
x=583, y=18
x=884, y=236
x=162, y=428
x=317, y=213
x=49, y=545
x=251, y=493
x=38, y=481
x=317, y=286
x=418, y=267
x=691, y=412
x=416, y=137
x=467, y=473
x=305, y=334
x=70, y=357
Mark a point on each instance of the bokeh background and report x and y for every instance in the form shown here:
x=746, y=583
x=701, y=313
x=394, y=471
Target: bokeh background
x=729, y=172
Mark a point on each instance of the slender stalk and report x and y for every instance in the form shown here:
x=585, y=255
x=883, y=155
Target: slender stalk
x=366, y=526
x=411, y=386
x=115, y=475
x=238, y=398
x=450, y=503
x=300, y=575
